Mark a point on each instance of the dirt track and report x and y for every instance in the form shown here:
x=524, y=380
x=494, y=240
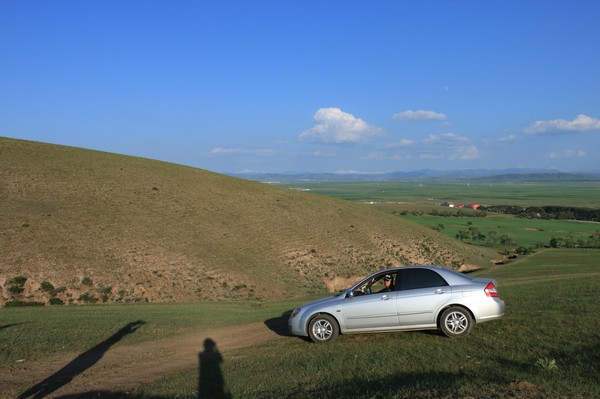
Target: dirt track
x=124, y=367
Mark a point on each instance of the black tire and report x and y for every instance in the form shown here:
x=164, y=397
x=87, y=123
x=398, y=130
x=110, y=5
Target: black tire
x=323, y=328
x=456, y=322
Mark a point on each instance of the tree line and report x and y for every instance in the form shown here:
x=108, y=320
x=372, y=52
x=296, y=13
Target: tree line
x=547, y=212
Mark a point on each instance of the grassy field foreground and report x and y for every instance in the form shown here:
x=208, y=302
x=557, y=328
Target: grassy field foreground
x=547, y=345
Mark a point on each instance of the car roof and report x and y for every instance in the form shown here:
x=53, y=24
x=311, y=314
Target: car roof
x=451, y=276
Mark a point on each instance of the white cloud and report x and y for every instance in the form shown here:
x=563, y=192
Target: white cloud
x=582, y=123
x=448, y=138
x=567, y=154
x=401, y=143
x=338, y=127
x=449, y=146
x=264, y=152
x=375, y=156
x=508, y=139
x=466, y=153
x=356, y=172
x=323, y=154
x=419, y=115
x=430, y=157
x=400, y=157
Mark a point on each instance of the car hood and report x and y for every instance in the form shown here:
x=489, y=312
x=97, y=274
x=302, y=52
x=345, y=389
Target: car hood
x=325, y=301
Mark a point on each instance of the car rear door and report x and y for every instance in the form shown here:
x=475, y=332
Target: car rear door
x=422, y=292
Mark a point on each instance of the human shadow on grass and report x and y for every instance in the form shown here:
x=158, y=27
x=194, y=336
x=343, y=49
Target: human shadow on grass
x=211, y=383
x=279, y=324
x=78, y=365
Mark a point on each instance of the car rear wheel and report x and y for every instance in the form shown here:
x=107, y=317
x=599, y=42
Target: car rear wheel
x=323, y=328
x=456, y=322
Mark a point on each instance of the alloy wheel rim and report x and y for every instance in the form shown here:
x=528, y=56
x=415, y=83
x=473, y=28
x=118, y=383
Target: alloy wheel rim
x=456, y=322
x=322, y=329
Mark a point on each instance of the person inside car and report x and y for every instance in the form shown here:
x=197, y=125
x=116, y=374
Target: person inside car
x=387, y=282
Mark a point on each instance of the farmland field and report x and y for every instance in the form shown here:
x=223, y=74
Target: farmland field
x=420, y=203
x=523, y=232
x=433, y=193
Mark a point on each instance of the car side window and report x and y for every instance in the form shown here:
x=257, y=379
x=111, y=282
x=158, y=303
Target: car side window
x=412, y=279
x=384, y=282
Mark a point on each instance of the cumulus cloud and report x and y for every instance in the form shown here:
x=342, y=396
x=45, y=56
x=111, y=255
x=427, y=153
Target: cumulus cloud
x=582, y=123
x=419, y=115
x=221, y=151
x=567, y=154
x=338, y=127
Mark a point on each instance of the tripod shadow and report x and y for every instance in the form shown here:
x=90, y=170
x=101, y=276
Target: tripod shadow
x=78, y=365
x=211, y=384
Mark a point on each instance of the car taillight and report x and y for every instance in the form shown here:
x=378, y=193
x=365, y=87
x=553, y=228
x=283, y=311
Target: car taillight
x=490, y=290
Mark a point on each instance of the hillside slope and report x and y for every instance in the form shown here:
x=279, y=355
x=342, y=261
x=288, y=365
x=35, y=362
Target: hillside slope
x=85, y=226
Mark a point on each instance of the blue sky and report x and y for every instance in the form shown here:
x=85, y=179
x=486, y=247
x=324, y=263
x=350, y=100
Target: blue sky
x=299, y=86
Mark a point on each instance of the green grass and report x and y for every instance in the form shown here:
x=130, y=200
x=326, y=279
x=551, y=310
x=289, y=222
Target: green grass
x=37, y=332
x=551, y=318
x=429, y=192
x=524, y=232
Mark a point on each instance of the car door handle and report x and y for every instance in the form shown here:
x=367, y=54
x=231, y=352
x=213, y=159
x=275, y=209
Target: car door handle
x=440, y=291
x=385, y=298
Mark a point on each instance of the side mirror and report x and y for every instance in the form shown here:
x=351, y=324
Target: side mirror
x=350, y=294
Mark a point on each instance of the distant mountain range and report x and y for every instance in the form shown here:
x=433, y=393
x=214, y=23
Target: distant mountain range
x=493, y=175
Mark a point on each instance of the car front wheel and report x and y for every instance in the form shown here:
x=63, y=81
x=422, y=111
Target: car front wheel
x=456, y=322
x=323, y=328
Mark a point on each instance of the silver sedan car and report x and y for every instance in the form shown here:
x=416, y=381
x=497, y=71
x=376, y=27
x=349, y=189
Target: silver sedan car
x=400, y=299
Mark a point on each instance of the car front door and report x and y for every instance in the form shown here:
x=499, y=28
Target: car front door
x=373, y=307
x=374, y=311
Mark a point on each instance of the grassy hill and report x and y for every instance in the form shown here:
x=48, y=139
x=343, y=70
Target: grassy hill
x=84, y=226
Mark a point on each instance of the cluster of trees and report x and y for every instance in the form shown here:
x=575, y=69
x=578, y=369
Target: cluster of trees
x=547, y=212
x=570, y=241
x=458, y=213
x=435, y=212
x=474, y=235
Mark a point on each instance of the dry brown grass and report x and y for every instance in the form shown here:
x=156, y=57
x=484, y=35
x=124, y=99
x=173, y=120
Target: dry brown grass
x=149, y=230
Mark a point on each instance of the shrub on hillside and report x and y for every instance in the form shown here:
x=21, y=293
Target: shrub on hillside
x=87, y=298
x=47, y=287
x=18, y=304
x=56, y=301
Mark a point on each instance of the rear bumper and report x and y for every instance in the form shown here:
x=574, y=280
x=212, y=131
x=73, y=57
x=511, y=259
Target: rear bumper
x=492, y=310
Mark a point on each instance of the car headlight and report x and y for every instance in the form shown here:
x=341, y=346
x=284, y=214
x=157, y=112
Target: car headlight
x=295, y=312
